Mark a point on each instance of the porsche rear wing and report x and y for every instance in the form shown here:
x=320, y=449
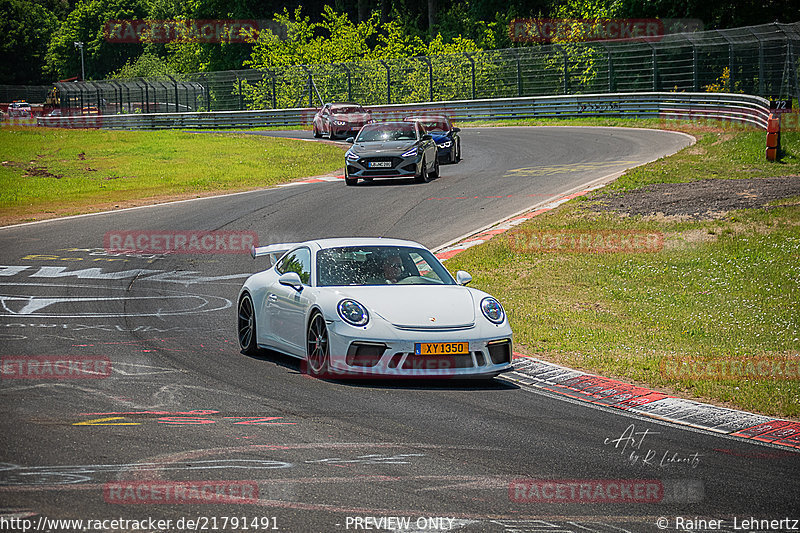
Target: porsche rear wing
x=273, y=251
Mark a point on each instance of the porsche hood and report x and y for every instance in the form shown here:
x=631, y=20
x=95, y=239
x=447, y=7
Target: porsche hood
x=417, y=306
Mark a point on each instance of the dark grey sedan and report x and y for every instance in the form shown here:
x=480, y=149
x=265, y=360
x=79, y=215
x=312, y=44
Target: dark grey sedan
x=391, y=150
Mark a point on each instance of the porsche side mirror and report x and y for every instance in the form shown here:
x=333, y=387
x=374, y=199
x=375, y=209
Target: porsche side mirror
x=291, y=279
x=427, y=137
x=456, y=130
x=351, y=140
x=462, y=277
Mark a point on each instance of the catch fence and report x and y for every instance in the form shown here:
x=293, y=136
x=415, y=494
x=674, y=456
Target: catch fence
x=758, y=60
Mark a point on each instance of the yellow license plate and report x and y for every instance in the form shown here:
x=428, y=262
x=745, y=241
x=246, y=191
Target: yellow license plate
x=441, y=348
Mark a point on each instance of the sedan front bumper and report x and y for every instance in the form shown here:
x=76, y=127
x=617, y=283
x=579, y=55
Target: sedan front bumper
x=384, y=166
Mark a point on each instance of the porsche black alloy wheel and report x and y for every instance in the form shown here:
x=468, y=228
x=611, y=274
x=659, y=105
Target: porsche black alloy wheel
x=247, y=326
x=317, y=349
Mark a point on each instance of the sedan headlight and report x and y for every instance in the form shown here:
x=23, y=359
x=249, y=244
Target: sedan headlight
x=445, y=144
x=492, y=310
x=411, y=152
x=350, y=156
x=353, y=312
x=339, y=122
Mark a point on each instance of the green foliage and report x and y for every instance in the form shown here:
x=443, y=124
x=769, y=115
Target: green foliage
x=460, y=21
x=333, y=40
x=26, y=27
x=38, y=34
x=86, y=23
x=143, y=66
x=337, y=49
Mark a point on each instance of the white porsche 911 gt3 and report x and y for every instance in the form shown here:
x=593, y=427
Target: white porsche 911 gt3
x=364, y=307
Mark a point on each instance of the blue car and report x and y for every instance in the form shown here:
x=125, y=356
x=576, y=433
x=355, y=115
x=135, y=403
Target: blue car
x=448, y=141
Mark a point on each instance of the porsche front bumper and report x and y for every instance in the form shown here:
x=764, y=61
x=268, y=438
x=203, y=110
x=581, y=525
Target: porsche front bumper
x=388, y=351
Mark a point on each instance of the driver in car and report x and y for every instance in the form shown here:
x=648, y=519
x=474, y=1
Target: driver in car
x=393, y=268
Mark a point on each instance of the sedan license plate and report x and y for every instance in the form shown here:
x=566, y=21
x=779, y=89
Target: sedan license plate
x=441, y=348
x=380, y=164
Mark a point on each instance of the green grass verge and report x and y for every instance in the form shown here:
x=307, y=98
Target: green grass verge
x=655, y=123
x=718, y=289
x=52, y=172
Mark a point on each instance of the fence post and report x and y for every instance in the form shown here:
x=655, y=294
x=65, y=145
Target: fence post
x=388, y=82
x=80, y=89
x=146, y=96
x=116, y=100
x=349, y=83
x=760, y=62
x=519, y=71
x=98, y=96
x=207, y=92
x=566, y=67
x=271, y=75
x=730, y=59
x=310, y=89
x=175, y=84
x=472, y=61
x=790, y=59
x=427, y=60
x=794, y=63
x=610, y=67
x=695, y=77
x=654, y=61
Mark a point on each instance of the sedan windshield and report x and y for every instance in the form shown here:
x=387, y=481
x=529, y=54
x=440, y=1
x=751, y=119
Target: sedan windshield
x=379, y=265
x=388, y=132
x=433, y=124
x=347, y=109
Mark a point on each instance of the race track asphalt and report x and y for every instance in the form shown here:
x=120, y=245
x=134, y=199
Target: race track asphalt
x=181, y=403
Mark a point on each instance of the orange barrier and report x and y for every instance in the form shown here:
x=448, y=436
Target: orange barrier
x=773, y=137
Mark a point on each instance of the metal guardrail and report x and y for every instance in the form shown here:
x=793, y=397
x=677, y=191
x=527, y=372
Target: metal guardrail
x=738, y=108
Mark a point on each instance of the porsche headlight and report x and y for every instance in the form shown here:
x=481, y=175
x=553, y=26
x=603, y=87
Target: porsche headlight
x=411, y=152
x=492, y=310
x=445, y=144
x=353, y=312
x=339, y=122
x=350, y=156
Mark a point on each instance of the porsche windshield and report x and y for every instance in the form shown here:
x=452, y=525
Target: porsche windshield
x=388, y=132
x=379, y=265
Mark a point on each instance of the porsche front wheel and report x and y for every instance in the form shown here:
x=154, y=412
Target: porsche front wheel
x=317, y=347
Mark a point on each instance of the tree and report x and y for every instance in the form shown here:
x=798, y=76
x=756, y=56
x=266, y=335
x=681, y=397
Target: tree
x=26, y=28
x=86, y=23
x=146, y=65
